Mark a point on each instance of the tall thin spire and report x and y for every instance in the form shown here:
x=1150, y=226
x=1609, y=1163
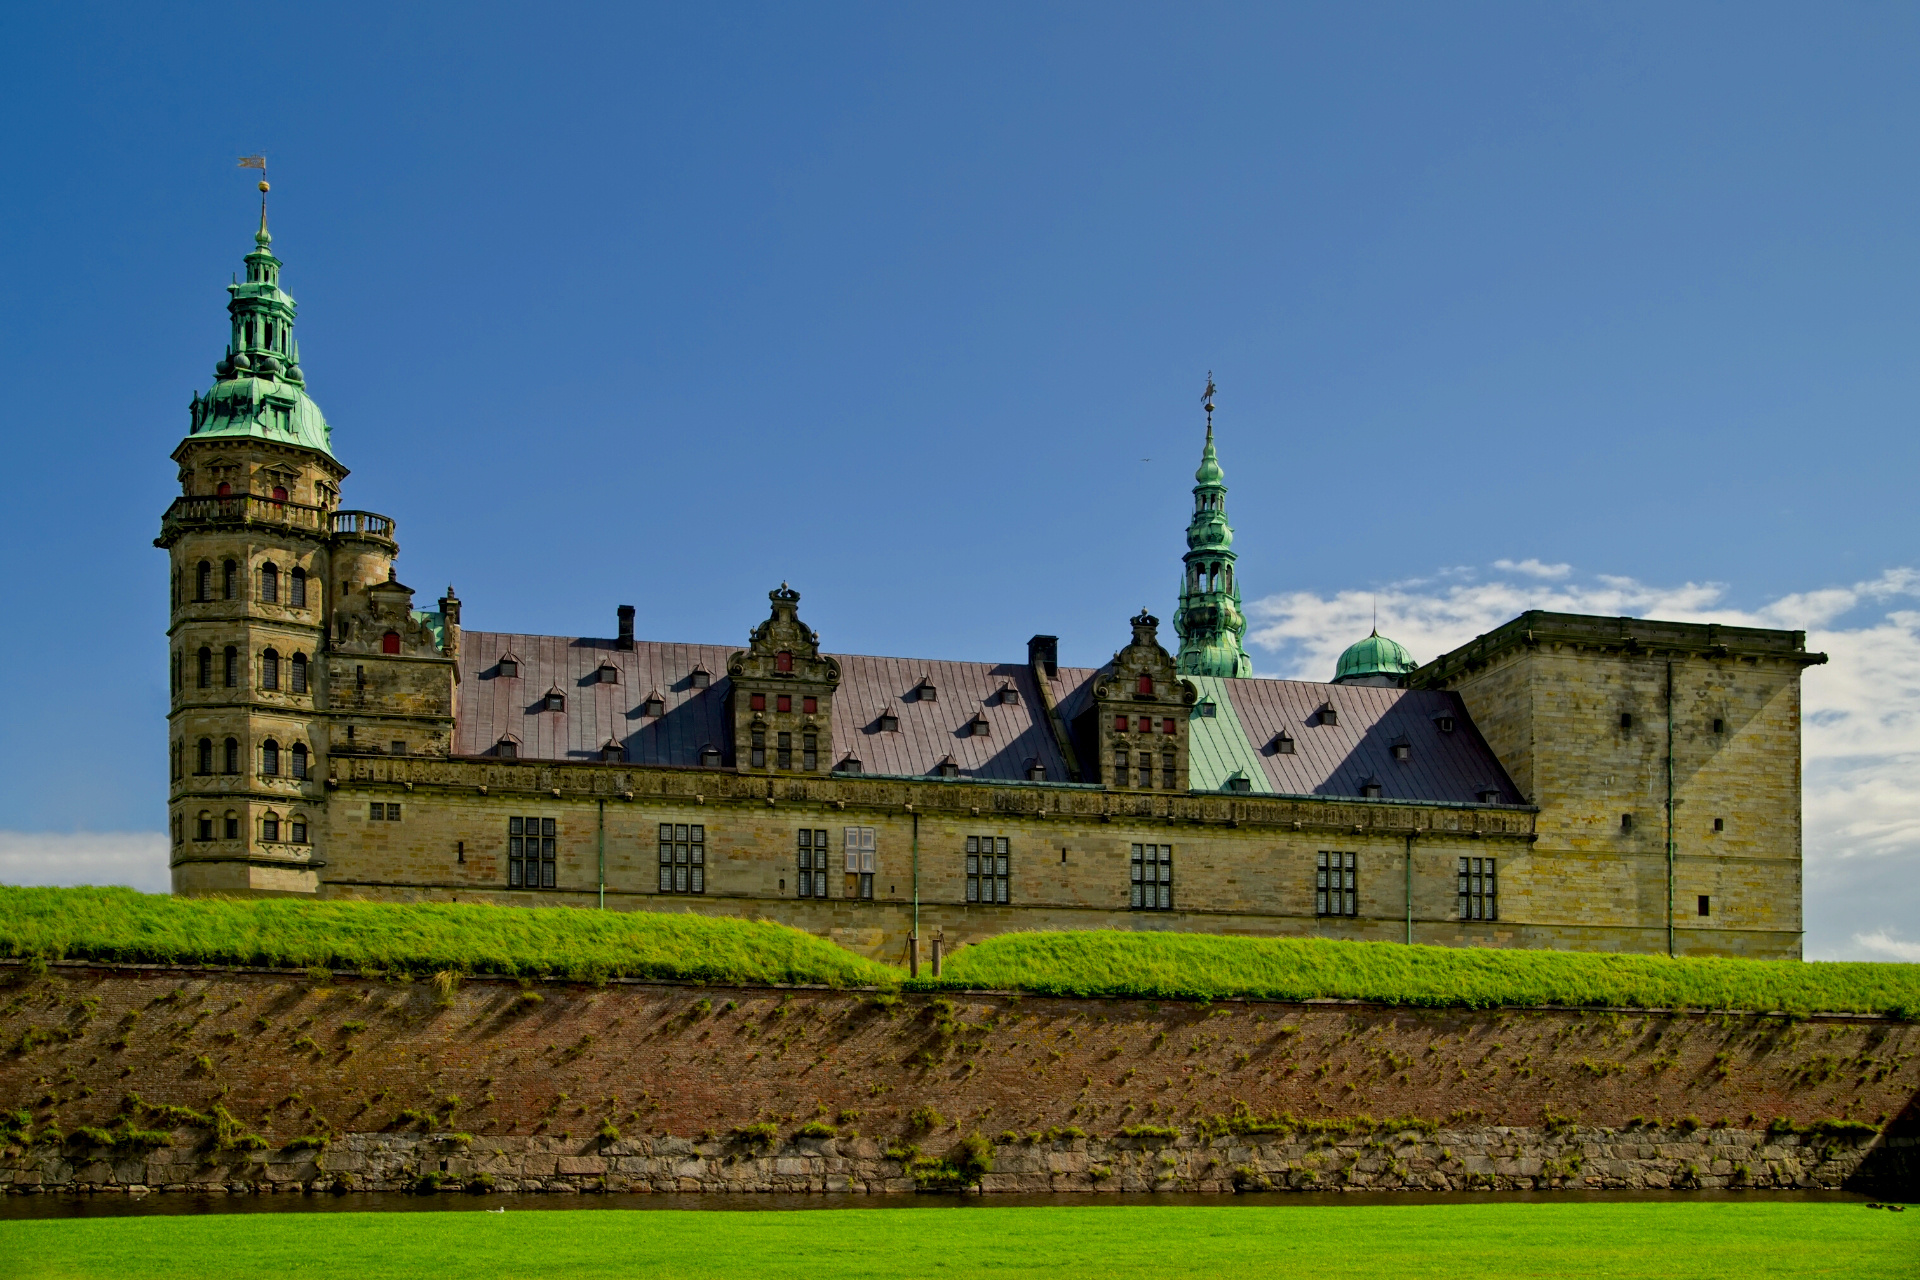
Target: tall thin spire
x=1209, y=621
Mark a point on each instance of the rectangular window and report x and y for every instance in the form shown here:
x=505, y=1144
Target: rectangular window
x=270, y=829
x=812, y=880
x=1122, y=766
x=1146, y=770
x=233, y=828
x=1167, y=770
x=531, y=845
x=1152, y=870
x=1706, y=905
x=987, y=872
x=683, y=857
x=1119, y=724
x=785, y=750
x=233, y=667
x=297, y=590
x=299, y=827
x=1336, y=890
x=759, y=753
x=809, y=751
x=757, y=702
x=783, y=703
x=377, y=812
x=861, y=855
x=810, y=705
x=1166, y=727
x=1479, y=890
x=205, y=829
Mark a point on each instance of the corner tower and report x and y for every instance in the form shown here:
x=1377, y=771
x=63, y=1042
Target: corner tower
x=1208, y=621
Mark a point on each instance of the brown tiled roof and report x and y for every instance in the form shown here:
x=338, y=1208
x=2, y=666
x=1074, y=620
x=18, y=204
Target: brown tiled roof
x=1330, y=760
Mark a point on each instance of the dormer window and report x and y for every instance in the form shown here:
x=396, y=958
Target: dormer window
x=608, y=673
x=850, y=765
x=979, y=728
x=1036, y=772
x=1443, y=723
x=555, y=700
x=1282, y=744
x=947, y=768
x=612, y=752
x=783, y=663
x=509, y=666
x=507, y=749
x=1370, y=789
x=655, y=705
x=1009, y=696
x=889, y=722
x=1239, y=782
x=925, y=692
x=1402, y=749
x=700, y=678
x=1489, y=795
x=1206, y=710
x=1329, y=714
x=709, y=757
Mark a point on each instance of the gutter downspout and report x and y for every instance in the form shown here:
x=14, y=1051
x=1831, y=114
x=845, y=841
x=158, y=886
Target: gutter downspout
x=603, y=855
x=1669, y=808
x=1410, y=836
x=916, y=893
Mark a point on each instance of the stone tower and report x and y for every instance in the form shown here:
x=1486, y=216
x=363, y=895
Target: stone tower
x=274, y=590
x=1208, y=620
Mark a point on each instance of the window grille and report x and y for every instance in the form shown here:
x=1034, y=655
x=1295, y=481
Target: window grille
x=1152, y=870
x=1122, y=768
x=203, y=586
x=270, y=583
x=269, y=669
x=1479, y=890
x=1146, y=771
x=531, y=847
x=233, y=667
x=297, y=589
x=758, y=757
x=270, y=828
x=233, y=756
x=380, y=812
x=1336, y=889
x=299, y=826
x=812, y=880
x=229, y=578
x=861, y=855
x=783, y=747
x=299, y=754
x=810, y=751
x=270, y=758
x=297, y=674
x=683, y=858
x=1167, y=770
x=205, y=759
x=987, y=860
x=206, y=667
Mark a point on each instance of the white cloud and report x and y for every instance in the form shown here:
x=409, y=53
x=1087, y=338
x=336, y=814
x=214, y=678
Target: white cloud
x=1887, y=947
x=136, y=858
x=1533, y=568
x=1862, y=710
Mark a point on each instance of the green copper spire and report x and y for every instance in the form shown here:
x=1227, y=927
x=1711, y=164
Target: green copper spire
x=258, y=389
x=1209, y=621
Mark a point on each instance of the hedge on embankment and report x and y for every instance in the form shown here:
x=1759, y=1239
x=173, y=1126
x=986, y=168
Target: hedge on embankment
x=121, y=925
x=1188, y=966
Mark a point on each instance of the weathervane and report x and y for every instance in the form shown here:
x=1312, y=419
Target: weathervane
x=260, y=163
x=1206, y=401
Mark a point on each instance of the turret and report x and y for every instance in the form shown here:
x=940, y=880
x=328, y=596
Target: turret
x=1209, y=621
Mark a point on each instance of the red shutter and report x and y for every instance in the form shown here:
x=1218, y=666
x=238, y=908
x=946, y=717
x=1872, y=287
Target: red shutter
x=1120, y=724
x=390, y=642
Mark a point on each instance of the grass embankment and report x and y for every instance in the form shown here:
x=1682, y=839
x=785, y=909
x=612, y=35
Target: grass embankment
x=1667, y=1241
x=428, y=937
x=122, y=925
x=1203, y=966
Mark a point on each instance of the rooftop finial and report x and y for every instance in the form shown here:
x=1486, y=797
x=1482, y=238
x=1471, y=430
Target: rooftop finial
x=260, y=237
x=1206, y=402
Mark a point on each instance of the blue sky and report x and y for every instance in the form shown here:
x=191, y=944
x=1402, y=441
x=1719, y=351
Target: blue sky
x=912, y=307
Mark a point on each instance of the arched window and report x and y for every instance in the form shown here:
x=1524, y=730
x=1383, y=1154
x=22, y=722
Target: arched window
x=390, y=642
x=297, y=674
x=270, y=826
x=297, y=589
x=231, y=825
x=1229, y=579
x=270, y=582
x=269, y=669
x=231, y=579
x=203, y=826
x=206, y=667
x=204, y=759
x=270, y=758
x=233, y=756
x=279, y=493
x=343, y=628
x=783, y=661
x=233, y=667
x=299, y=754
x=203, y=581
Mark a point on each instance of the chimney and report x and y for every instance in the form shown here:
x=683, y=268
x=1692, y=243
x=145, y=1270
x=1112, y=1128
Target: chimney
x=626, y=628
x=1044, y=652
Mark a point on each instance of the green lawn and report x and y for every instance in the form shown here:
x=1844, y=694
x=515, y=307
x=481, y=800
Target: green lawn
x=1657, y=1240
x=576, y=944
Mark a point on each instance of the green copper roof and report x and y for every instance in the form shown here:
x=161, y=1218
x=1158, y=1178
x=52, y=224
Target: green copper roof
x=1210, y=472
x=1217, y=745
x=1208, y=621
x=259, y=391
x=1374, y=656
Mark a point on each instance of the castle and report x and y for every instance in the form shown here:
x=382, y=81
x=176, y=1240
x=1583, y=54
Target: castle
x=1564, y=781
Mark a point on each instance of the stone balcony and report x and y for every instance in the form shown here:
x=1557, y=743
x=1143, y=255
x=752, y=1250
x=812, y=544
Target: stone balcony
x=243, y=509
